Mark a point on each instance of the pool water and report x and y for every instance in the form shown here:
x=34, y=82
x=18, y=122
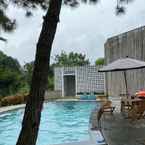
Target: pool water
x=61, y=122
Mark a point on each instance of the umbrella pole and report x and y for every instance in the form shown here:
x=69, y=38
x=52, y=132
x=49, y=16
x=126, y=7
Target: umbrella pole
x=126, y=87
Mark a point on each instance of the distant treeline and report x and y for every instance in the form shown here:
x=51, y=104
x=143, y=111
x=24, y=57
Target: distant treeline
x=15, y=78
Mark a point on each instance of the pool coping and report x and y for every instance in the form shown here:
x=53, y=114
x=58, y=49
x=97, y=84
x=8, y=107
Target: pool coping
x=85, y=142
x=14, y=107
x=10, y=108
x=77, y=100
x=4, y=109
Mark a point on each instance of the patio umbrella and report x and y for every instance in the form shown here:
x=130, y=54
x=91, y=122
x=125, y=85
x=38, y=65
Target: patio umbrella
x=123, y=64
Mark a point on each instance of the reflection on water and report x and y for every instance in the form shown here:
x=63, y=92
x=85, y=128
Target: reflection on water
x=68, y=106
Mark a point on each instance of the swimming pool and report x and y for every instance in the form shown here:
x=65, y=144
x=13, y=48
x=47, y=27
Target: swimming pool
x=61, y=122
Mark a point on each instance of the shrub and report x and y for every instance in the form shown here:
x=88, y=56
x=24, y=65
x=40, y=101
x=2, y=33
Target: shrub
x=13, y=100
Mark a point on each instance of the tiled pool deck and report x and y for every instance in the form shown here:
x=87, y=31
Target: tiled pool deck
x=117, y=130
x=120, y=131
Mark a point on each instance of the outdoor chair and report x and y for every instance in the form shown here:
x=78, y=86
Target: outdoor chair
x=107, y=106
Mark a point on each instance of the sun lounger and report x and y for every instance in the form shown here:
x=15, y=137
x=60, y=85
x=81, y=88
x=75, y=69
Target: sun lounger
x=126, y=103
x=107, y=107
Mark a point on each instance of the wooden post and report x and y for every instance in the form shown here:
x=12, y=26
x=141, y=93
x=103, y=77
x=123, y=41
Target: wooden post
x=106, y=84
x=126, y=86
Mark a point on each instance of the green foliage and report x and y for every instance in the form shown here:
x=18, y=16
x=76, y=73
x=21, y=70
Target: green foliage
x=8, y=25
x=11, y=78
x=5, y=23
x=13, y=100
x=28, y=70
x=99, y=61
x=50, y=85
x=71, y=59
x=9, y=62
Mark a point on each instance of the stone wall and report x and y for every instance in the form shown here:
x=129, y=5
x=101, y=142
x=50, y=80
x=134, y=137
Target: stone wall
x=131, y=44
x=52, y=95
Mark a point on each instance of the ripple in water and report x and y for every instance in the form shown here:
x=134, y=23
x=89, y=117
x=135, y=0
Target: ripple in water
x=61, y=122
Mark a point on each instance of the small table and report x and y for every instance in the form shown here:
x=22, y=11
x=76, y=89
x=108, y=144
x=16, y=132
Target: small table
x=135, y=105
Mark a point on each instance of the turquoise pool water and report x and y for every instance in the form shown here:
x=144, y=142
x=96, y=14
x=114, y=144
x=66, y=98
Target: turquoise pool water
x=61, y=122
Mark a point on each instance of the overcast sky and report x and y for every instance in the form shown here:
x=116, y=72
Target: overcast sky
x=84, y=29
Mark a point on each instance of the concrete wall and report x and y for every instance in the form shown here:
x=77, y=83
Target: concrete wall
x=131, y=44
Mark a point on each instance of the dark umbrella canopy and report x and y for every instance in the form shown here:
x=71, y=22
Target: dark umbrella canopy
x=123, y=64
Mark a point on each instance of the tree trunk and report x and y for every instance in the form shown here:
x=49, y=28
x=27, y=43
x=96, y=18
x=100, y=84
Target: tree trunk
x=32, y=115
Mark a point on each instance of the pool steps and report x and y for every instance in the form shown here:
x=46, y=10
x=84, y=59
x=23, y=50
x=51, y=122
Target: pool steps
x=96, y=138
x=79, y=143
